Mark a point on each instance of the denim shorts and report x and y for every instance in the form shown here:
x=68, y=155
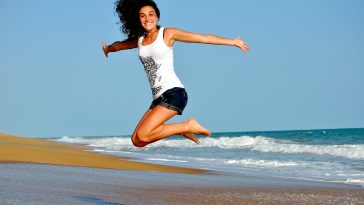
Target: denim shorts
x=173, y=99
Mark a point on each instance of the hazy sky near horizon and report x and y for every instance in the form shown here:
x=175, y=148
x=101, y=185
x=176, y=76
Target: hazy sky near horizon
x=305, y=69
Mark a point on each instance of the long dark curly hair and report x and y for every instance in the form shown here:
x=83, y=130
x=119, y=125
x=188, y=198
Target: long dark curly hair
x=128, y=12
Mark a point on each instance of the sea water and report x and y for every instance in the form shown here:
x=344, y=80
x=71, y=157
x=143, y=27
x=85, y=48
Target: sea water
x=331, y=155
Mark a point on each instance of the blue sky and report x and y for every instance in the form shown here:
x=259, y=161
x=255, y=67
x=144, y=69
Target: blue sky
x=305, y=69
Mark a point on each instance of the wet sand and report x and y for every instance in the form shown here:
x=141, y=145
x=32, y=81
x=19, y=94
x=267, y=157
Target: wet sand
x=42, y=179
x=32, y=184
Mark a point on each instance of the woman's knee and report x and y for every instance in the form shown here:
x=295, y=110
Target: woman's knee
x=137, y=143
x=143, y=136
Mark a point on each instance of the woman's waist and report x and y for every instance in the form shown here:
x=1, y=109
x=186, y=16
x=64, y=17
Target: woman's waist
x=165, y=81
x=163, y=88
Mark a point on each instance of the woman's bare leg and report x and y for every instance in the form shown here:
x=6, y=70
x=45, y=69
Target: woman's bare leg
x=137, y=143
x=134, y=139
x=152, y=128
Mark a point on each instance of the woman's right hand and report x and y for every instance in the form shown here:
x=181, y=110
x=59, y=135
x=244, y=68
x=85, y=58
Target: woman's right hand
x=104, y=48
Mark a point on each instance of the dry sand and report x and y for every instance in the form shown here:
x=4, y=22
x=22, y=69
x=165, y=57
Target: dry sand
x=19, y=149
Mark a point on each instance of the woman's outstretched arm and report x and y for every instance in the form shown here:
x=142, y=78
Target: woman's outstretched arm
x=173, y=35
x=118, y=46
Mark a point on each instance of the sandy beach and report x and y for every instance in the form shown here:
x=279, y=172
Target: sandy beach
x=20, y=149
x=36, y=171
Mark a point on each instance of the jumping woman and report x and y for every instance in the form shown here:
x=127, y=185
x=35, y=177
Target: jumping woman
x=139, y=20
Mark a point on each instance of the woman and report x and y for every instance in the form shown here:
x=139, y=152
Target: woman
x=139, y=20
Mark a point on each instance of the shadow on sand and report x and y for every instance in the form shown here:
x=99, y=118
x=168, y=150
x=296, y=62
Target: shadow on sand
x=95, y=201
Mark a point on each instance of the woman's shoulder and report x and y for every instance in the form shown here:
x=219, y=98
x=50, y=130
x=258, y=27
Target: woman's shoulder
x=168, y=31
x=174, y=31
x=170, y=34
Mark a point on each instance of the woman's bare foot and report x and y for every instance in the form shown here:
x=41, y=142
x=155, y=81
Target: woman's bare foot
x=196, y=128
x=191, y=136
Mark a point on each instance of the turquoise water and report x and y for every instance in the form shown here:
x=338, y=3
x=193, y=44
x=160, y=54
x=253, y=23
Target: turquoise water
x=332, y=155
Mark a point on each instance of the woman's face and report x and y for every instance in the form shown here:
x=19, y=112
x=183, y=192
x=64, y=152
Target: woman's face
x=148, y=18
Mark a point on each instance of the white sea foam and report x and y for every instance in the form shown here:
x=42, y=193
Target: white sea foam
x=165, y=160
x=355, y=182
x=110, y=143
x=73, y=140
x=261, y=163
x=235, y=142
x=265, y=144
x=351, y=175
x=221, y=142
x=347, y=151
x=260, y=144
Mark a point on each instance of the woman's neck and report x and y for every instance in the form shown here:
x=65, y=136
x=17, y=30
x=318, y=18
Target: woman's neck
x=150, y=33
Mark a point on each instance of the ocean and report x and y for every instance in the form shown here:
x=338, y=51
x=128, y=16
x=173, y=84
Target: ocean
x=329, y=155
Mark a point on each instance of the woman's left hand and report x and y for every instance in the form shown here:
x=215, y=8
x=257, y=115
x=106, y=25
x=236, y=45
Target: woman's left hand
x=104, y=48
x=241, y=44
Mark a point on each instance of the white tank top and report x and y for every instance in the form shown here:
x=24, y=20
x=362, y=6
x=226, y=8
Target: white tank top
x=157, y=59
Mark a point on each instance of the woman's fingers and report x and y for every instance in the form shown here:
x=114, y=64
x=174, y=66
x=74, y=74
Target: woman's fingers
x=104, y=48
x=241, y=44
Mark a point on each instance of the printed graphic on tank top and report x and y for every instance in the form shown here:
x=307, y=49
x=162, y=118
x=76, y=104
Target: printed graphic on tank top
x=157, y=59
